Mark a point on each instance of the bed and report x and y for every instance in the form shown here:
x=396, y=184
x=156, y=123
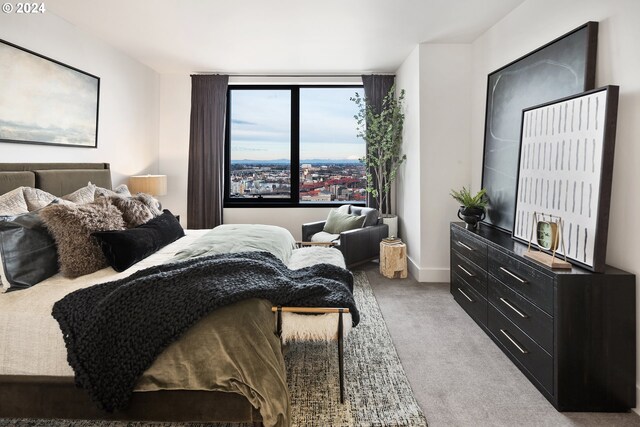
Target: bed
x=35, y=389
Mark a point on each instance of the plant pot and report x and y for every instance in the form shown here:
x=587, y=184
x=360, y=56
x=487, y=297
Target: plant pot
x=471, y=216
x=392, y=222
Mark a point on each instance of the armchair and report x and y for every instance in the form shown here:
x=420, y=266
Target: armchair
x=358, y=245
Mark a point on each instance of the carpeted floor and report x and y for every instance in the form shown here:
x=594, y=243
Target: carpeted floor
x=377, y=389
x=458, y=375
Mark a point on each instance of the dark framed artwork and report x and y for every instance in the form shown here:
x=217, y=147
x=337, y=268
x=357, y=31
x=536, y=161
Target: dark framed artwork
x=563, y=67
x=565, y=170
x=43, y=101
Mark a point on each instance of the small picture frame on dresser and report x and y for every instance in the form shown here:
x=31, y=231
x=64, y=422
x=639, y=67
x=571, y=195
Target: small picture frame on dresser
x=565, y=169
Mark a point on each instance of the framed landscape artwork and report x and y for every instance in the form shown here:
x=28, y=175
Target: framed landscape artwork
x=43, y=101
x=565, y=170
x=563, y=67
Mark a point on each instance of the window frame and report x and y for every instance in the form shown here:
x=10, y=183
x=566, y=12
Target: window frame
x=294, y=200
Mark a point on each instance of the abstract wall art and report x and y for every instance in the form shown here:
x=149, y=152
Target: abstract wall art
x=43, y=101
x=563, y=67
x=565, y=169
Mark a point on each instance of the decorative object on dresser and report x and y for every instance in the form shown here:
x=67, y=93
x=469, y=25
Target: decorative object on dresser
x=571, y=333
x=34, y=90
x=393, y=258
x=548, y=230
x=472, y=209
x=566, y=169
x=563, y=67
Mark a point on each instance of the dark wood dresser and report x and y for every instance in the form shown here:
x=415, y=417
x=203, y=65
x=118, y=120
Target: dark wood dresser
x=571, y=332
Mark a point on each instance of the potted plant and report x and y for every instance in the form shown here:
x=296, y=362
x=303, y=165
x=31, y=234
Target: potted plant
x=382, y=131
x=472, y=208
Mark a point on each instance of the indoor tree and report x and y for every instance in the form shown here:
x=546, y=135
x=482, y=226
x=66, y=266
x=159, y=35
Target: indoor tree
x=382, y=132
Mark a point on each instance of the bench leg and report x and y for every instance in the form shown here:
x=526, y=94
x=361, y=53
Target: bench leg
x=341, y=356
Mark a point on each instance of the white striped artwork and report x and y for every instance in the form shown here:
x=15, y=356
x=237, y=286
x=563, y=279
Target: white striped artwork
x=560, y=168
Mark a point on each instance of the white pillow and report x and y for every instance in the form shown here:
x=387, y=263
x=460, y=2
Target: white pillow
x=13, y=203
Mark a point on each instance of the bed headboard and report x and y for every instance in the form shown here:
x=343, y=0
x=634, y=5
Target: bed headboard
x=56, y=178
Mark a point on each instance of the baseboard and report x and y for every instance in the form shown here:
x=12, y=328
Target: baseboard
x=427, y=275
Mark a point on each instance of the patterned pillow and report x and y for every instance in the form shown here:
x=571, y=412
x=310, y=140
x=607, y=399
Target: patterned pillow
x=120, y=190
x=37, y=198
x=13, y=203
x=71, y=226
x=83, y=195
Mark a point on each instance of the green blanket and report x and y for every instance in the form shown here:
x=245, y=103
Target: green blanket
x=232, y=350
x=230, y=238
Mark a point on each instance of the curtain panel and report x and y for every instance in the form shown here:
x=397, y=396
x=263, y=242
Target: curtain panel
x=376, y=87
x=205, y=185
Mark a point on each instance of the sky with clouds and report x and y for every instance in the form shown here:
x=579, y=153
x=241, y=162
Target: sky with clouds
x=260, y=124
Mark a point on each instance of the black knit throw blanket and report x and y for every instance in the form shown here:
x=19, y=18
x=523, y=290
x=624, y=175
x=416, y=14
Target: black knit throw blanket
x=114, y=331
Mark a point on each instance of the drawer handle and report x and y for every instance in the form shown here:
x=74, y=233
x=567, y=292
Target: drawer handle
x=522, y=350
x=466, y=296
x=466, y=271
x=465, y=246
x=513, y=275
x=521, y=314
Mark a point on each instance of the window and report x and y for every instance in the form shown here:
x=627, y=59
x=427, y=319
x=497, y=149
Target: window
x=293, y=146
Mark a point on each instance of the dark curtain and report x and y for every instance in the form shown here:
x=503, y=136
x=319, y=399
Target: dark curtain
x=205, y=187
x=376, y=87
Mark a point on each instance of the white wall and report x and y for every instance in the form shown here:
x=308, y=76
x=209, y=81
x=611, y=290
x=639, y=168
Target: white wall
x=445, y=117
x=408, y=192
x=436, y=141
x=128, y=119
x=532, y=25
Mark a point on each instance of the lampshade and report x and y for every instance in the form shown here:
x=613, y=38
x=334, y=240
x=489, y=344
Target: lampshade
x=156, y=185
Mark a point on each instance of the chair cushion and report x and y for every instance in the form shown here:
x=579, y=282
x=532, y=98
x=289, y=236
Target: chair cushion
x=337, y=222
x=371, y=215
x=323, y=236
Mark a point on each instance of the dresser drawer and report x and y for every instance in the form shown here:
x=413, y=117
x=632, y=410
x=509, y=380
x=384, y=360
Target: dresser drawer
x=469, y=272
x=534, y=322
x=470, y=247
x=470, y=300
x=530, y=356
x=525, y=280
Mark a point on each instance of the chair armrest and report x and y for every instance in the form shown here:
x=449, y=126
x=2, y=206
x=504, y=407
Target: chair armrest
x=362, y=244
x=311, y=228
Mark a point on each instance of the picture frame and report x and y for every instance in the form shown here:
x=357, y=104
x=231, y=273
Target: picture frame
x=566, y=168
x=44, y=101
x=563, y=67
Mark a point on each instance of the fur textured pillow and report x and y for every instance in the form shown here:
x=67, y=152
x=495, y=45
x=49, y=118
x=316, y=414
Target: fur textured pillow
x=134, y=211
x=13, y=203
x=71, y=226
x=83, y=195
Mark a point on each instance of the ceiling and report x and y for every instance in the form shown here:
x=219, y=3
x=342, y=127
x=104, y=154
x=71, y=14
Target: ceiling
x=279, y=36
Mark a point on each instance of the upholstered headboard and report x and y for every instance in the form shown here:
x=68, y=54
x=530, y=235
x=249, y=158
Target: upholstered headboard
x=56, y=178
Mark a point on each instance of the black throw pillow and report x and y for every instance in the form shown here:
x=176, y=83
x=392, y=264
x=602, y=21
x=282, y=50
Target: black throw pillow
x=27, y=250
x=123, y=248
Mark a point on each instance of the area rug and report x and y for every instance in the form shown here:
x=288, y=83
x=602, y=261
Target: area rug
x=377, y=392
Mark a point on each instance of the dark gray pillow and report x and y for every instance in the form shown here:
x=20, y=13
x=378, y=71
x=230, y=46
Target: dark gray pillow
x=27, y=250
x=371, y=215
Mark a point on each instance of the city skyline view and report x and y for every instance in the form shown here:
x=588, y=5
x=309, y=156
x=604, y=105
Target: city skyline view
x=260, y=128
